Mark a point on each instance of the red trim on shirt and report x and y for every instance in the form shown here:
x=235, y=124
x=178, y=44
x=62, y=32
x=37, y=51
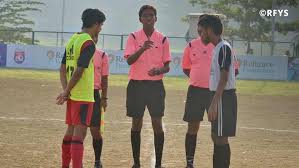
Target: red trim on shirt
x=86, y=44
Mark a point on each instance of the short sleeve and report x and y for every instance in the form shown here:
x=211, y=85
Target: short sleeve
x=166, y=50
x=130, y=46
x=87, y=52
x=186, y=63
x=105, y=65
x=225, y=58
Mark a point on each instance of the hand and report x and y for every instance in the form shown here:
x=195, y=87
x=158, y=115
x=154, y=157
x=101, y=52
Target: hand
x=213, y=111
x=103, y=103
x=154, y=72
x=147, y=45
x=62, y=97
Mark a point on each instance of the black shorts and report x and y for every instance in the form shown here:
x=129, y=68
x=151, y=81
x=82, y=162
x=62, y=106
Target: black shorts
x=145, y=93
x=96, y=115
x=198, y=101
x=226, y=122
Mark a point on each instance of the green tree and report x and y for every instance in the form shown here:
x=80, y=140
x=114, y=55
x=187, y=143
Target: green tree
x=245, y=21
x=14, y=20
x=287, y=27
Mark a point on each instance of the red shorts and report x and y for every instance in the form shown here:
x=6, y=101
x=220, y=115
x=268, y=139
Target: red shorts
x=78, y=112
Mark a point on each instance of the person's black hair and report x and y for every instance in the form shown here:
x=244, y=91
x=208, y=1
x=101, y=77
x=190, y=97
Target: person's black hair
x=201, y=16
x=92, y=16
x=211, y=21
x=144, y=7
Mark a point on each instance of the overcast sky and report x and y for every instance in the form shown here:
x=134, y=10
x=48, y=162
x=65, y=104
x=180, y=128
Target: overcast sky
x=122, y=15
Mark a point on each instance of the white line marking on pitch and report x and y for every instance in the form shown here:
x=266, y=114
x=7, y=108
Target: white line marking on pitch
x=171, y=124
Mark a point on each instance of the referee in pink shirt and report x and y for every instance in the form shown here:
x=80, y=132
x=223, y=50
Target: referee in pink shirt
x=148, y=54
x=101, y=73
x=196, y=65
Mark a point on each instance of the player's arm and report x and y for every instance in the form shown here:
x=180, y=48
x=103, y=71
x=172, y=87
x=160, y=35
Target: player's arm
x=104, y=83
x=86, y=54
x=187, y=72
x=104, y=86
x=104, y=78
x=165, y=68
x=166, y=57
x=130, y=52
x=225, y=63
x=166, y=61
x=186, y=63
x=134, y=57
x=159, y=71
x=63, y=79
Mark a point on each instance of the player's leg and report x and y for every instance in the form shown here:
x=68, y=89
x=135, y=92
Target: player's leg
x=66, y=143
x=196, y=104
x=77, y=147
x=156, y=105
x=66, y=146
x=97, y=140
x=221, y=155
x=136, y=140
x=224, y=127
x=190, y=142
x=135, y=109
x=97, y=143
x=81, y=117
x=158, y=139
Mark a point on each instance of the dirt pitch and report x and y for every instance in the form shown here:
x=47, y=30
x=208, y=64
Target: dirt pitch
x=32, y=127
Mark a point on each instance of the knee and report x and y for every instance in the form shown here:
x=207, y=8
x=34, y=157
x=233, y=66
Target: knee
x=70, y=130
x=158, y=130
x=84, y=132
x=157, y=126
x=193, y=128
x=95, y=133
x=137, y=124
x=80, y=131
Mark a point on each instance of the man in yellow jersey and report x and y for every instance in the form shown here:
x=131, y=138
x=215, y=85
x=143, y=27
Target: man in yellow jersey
x=77, y=80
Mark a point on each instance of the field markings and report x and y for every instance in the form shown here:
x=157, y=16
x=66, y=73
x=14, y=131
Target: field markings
x=148, y=123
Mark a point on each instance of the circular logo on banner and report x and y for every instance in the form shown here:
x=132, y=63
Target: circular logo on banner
x=19, y=56
x=176, y=61
x=50, y=54
x=111, y=58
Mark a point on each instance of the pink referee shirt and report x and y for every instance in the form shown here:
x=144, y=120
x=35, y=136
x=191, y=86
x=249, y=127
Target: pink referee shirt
x=101, y=67
x=197, y=57
x=152, y=58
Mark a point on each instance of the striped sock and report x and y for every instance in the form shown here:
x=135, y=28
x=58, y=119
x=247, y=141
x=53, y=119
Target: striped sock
x=66, y=151
x=77, y=149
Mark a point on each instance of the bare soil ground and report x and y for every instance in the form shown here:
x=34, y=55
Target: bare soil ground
x=32, y=127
